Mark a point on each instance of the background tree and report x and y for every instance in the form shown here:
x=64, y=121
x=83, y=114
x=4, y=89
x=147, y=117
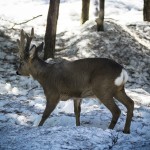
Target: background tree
x=85, y=11
x=100, y=19
x=96, y=6
x=146, y=10
x=51, y=27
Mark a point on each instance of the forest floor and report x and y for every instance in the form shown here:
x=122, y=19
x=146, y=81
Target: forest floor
x=22, y=100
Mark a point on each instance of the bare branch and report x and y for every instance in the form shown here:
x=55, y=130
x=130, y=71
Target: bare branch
x=26, y=21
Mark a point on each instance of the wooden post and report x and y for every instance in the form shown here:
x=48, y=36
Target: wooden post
x=51, y=28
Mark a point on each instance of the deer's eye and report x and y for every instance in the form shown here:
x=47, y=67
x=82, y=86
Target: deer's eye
x=22, y=63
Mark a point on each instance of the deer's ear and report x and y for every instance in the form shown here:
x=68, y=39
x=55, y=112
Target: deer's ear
x=33, y=52
x=40, y=47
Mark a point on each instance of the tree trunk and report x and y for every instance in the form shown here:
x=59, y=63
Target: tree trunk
x=100, y=19
x=50, y=34
x=146, y=10
x=96, y=7
x=85, y=11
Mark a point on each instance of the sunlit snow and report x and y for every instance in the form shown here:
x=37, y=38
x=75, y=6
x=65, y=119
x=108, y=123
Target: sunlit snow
x=22, y=100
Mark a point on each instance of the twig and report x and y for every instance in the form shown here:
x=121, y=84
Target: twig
x=26, y=21
x=32, y=89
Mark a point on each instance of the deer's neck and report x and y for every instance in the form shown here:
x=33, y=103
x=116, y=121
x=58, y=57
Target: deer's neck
x=39, y=71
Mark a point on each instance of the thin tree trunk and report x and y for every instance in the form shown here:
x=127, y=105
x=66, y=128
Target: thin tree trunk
x=50, y=34
x=146, y=10
x=100, y=19
x=85, y=11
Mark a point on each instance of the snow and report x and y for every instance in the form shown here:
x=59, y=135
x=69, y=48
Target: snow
x=22, y=101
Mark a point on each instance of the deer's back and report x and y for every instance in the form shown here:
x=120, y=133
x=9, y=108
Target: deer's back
x=78, y=78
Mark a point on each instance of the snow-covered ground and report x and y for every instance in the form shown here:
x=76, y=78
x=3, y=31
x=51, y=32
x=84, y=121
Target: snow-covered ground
x=126, y=39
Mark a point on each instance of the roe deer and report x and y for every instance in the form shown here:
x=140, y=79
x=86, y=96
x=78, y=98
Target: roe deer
x=100, y=77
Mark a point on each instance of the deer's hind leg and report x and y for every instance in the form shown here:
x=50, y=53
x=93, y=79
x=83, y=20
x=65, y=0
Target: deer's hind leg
x=129, y=103
x=109, y=102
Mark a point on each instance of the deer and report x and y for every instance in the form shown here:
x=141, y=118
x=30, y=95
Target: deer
x=102, y=78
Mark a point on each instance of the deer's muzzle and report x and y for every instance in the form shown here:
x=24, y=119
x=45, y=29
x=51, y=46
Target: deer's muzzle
x=18, y=73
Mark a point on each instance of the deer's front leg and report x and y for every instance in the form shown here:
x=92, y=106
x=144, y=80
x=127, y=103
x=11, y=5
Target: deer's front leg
x=51, y=104
x=77, y=110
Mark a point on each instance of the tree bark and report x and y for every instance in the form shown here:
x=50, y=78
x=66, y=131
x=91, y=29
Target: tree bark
x=85, y=11
x=51, y=28
x=100, y=19
x=146, y=10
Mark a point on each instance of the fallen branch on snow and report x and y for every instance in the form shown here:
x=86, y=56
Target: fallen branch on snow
x=25, y=21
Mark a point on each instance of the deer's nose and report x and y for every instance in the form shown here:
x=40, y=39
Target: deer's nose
x=17, y=73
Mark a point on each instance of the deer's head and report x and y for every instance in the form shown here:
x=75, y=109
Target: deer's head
x=26, y=54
